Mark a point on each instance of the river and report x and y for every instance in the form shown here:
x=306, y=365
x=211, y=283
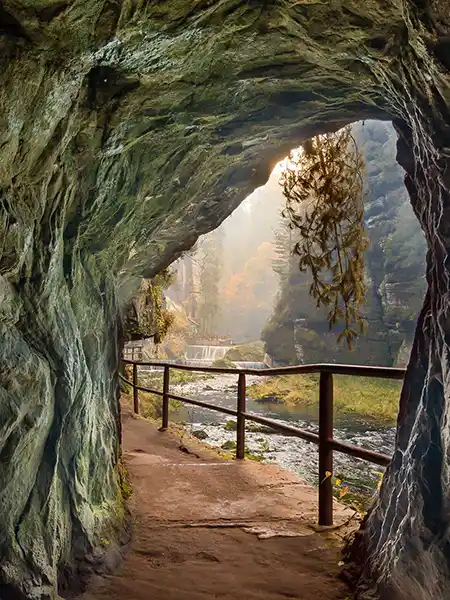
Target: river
x=360, y=477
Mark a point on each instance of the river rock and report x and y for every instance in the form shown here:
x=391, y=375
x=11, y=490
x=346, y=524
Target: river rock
x=200, y=434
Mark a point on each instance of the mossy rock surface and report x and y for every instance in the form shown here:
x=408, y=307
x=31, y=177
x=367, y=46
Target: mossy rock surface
x=253, y=352
x=224, y=363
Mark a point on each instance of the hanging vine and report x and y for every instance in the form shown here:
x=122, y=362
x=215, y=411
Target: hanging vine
x=324, y=189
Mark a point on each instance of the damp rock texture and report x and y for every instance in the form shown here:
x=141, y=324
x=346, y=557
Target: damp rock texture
x=126, y=130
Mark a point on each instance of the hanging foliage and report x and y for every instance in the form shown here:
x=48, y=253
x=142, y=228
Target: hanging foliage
x=147, y=315
x=324, y=189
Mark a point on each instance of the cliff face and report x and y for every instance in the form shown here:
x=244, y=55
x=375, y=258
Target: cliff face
x=128, y=129
x=396, y=257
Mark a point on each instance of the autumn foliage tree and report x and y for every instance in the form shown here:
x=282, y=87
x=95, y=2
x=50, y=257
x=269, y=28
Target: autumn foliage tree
x=324, y=189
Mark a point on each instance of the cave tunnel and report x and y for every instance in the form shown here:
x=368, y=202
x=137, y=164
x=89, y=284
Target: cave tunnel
x=128, y=130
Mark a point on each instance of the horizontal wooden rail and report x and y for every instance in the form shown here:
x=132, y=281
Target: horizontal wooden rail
x=335, y=369
x=141, y=388
x=222, y=409
x=149, y=390
x=309, y=436
x=324, y=438
x=125, y=380
x=374, y=457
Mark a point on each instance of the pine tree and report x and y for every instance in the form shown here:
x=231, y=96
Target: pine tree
x=284, y=247
x=210, y=257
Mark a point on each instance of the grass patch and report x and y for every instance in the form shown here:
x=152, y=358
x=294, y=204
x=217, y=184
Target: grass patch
x=253, y=352
x=365, y=396
x=231, y=446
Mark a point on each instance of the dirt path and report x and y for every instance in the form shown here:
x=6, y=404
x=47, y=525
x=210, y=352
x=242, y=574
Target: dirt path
x=204, y=528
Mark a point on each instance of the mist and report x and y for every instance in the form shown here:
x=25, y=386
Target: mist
x=231, y=285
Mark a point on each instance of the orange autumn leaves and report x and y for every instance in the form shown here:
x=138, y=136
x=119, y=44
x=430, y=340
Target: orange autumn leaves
x=252, y=287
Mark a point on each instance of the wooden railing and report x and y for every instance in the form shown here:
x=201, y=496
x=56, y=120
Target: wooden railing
x=324, y=438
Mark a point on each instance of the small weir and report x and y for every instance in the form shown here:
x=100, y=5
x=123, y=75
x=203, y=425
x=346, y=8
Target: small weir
x=204, y=355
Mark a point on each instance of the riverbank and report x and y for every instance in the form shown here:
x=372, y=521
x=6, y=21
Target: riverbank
x=358, y=479
x=369, y=398
x=151, y=404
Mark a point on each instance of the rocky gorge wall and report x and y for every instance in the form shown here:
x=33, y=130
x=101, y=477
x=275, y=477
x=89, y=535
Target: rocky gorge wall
x=126, y=130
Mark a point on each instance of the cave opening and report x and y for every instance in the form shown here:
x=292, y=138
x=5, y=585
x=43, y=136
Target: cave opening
x=103, y=182
x=387, y=509
x=247, y=254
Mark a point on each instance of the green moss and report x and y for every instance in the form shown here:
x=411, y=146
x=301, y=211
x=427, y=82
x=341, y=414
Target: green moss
x=231, y=445
x=112, y=516
x=146, y=316
x=253, y=352
x=224, y=363
x=369, y=397
x=228, y=445
x=124, y=481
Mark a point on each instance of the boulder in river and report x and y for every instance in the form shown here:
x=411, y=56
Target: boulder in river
x=200, y=434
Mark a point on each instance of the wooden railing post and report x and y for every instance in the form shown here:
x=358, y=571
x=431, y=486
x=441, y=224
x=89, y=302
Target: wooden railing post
x=325, y=450
x=240, y=429
x=165, y=400
x=135, y=390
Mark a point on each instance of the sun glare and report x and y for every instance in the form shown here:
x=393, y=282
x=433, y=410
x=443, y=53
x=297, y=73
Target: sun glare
x=284, y=164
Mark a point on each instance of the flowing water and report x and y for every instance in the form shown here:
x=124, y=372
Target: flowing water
x=291, y=453
x=204, y=355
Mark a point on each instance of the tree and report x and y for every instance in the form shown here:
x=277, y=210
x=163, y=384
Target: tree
x=324, y=188
x=210, y=260
x=247, y=295
x=394, y=265
x=284, y=245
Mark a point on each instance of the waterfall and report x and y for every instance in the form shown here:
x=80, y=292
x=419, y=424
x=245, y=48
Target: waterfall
x=204, y=355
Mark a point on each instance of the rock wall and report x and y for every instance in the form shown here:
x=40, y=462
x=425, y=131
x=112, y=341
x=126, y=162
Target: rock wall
x=128, y=129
